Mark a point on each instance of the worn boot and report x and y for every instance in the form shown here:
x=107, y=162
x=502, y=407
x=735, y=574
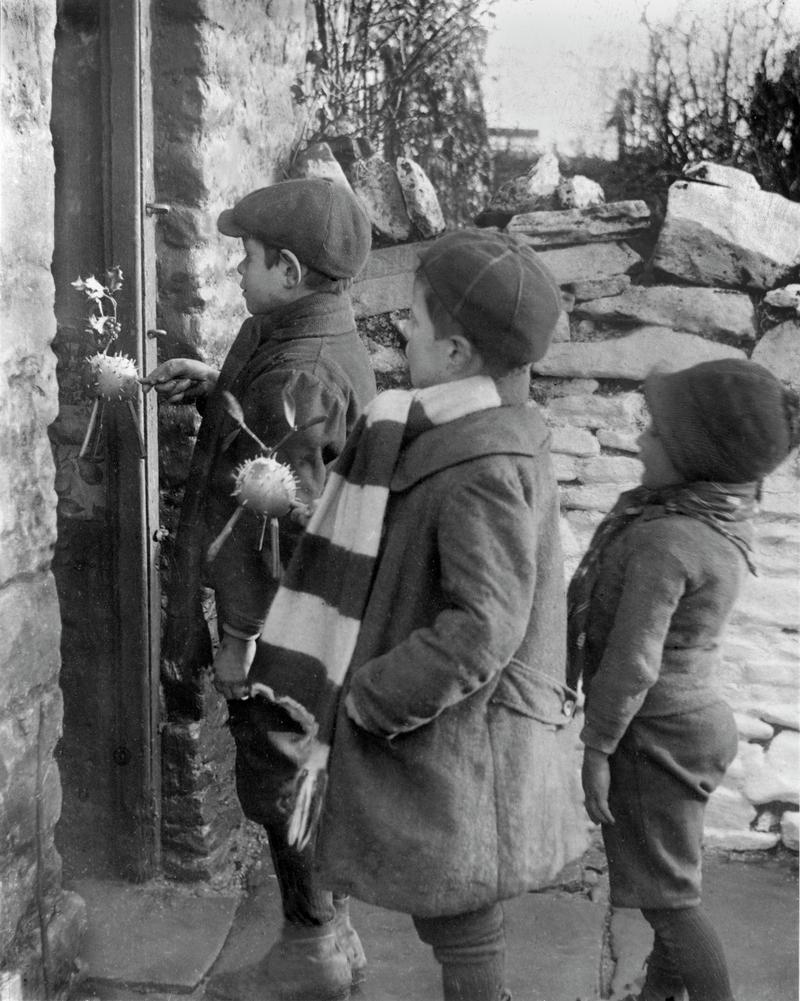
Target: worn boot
x=348, y=939
x=305, y=964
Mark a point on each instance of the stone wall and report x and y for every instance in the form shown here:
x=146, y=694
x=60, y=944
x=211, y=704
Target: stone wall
x=40, y=925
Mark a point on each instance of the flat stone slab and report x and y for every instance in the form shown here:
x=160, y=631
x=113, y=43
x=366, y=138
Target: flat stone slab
x=632, y=356
x=566, y=227
x=151, y=937
x=598, y=260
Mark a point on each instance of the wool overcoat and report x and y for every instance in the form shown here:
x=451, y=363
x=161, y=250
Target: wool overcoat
x=311, y=348
x=462, y=789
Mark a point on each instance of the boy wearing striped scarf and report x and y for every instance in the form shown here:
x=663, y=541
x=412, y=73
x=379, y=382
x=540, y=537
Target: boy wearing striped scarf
x=427, y=685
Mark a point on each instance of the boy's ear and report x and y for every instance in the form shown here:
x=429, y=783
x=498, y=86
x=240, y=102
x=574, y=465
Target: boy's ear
x=463, y=358
x=293, y=270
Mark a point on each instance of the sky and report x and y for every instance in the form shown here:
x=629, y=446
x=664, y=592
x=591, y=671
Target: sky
x=555, y=65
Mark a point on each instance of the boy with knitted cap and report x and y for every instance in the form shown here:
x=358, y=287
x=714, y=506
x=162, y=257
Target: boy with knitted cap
x=304, y=241
x=647, y=609
x=430, y=677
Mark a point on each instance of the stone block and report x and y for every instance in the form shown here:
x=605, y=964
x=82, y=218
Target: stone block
x=571, y=265
x=386, y=281
x=317, y=160
x=790, y=830
x=597, y=288
x=728, y=177
x=777, y=777
x=422, y=203
x=620, y=441
x=752, y=728
x=594, y=497
x=386, y=360
x=787, y=297
x=739, y=841
x=565, y=468
x=579, y=192
x=29, y=612
x=561, y=333
x=728, y=809
x=771, y=602
x=632, y=356
x=375, y=184
x=572, y=226
x=534, y=188
x=779, y=351
x=781, y=714
x=617, y=469
x=591, y=411
x=707, y=311
x=736, y=237
x=574, y=441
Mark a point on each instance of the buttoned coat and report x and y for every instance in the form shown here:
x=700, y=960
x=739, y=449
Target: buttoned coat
x=461, y=789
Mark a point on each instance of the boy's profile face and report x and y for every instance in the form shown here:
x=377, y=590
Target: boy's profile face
x=658, y=469
x=263, y=287
x=427, y=356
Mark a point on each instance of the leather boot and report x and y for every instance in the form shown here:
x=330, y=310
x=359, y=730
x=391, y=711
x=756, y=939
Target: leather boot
x=348, y=939
x=305, y=964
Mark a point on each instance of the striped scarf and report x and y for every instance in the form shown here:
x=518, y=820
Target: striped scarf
x=725, y=507
x=313, y=623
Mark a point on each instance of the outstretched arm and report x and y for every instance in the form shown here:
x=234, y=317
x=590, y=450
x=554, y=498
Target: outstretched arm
x=181, y=379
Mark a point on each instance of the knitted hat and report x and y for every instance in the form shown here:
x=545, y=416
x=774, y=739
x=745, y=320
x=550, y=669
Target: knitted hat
x=321, y=222
x=729, y=420
x=498, y=290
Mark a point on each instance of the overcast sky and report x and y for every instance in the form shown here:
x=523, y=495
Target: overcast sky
x=554, y=65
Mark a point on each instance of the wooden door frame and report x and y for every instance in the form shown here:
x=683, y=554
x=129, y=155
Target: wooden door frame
x=128, y=193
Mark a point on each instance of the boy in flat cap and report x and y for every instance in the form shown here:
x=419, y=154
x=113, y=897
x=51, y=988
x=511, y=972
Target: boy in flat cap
x=648, y=607
x=431, y=679
x=304, y=240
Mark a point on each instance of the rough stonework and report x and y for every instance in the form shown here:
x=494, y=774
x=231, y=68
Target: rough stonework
x=600, y=223
x=421, y=201
x=711, y=312
x=631, y=356
x=779, y=351
x=736, y=237
x=598, y=261
x=34, y=905
x=378, y=189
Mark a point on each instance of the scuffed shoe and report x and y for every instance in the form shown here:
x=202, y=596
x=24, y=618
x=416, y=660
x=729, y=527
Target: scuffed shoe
x=305, y=964
x=348, y=939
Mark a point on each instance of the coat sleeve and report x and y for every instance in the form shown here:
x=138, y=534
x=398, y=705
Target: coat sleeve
x=486, y=548
x=241, y=573
x=654, y=583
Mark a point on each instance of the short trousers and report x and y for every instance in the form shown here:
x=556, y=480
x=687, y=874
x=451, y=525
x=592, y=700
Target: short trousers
x=662, y=773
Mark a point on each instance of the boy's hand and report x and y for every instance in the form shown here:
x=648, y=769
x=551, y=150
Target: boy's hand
x=231, y=665
x=596, y=779
x=181, y=379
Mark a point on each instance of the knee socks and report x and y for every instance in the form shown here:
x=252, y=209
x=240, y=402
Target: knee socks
x=471, y=949
x=686, y=945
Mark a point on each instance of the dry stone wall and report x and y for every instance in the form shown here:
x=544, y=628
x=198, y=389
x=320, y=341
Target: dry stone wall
x=40, y=924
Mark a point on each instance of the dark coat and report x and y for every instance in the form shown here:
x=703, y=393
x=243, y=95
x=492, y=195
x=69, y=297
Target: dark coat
x=464, y=791
x=312, y=347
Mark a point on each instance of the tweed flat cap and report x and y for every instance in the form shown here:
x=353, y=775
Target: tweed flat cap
x=321, y=222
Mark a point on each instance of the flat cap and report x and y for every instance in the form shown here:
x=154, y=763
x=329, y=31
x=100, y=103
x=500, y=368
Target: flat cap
x=320, y=221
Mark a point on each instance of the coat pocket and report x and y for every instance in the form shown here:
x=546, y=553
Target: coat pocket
x=530, y=692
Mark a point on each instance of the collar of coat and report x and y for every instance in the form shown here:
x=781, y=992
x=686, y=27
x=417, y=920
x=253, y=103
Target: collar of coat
x=508, y=430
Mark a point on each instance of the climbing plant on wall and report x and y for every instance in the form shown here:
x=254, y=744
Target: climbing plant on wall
x=405, y=74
